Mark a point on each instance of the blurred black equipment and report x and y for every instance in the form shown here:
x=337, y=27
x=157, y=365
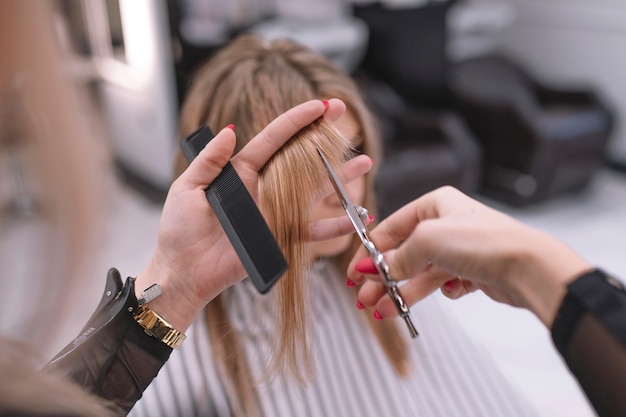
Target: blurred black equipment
x=535, y=141
x=538, y=141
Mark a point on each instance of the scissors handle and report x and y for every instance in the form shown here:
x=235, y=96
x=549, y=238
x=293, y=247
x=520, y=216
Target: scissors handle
x=403, y=308
x=392, y=288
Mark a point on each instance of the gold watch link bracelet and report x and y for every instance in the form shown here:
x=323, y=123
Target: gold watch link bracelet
x=153, y=324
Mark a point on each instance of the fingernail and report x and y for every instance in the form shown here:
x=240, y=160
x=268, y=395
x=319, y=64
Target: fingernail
x=366, y=266
x=377, y=315
x=325, y=103
x=350, y=283
x=371, y=218
x=449, y=286
x=231, y=127
x=359, y=305
x=372, y=161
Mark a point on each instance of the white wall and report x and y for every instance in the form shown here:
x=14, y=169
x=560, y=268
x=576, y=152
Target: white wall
x=575, y=41
x=137, y=87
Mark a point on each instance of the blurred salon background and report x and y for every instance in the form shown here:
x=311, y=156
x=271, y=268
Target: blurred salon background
x=520, y=103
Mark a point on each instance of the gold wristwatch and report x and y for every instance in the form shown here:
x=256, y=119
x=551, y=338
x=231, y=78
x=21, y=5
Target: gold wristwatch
x=155, y=325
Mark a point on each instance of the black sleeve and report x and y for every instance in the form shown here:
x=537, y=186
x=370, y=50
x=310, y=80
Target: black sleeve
x=113, y=357
x=590, y=333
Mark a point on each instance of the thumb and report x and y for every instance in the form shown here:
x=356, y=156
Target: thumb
x=411, y=257
x=405, y=261
x=209, y=163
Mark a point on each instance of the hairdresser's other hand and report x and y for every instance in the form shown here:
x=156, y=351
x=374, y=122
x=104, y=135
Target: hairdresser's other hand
x=447, y=240
x=194, y=260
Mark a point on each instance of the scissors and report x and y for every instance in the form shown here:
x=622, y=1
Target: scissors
x=357, y=216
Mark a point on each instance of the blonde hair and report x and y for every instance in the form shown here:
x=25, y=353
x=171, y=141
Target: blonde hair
x=249, y=83
x=56, y=147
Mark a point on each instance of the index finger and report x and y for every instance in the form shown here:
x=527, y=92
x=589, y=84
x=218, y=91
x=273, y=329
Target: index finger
x=261, y=148
x=397, y=228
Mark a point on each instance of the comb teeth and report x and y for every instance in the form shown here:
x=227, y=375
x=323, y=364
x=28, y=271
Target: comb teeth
x=246, y=228
x=226, y=183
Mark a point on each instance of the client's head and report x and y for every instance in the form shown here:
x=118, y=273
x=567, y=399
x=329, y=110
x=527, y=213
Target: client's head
x=249, y=83
x=252, y=81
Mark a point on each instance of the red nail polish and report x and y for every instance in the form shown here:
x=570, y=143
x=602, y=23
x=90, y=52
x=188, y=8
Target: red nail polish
x=350, y=283
x=359, y=305
x=377, y=315
x=366, y=266
x=231, y=127
x=372, y=161
x=325, y=103
x=449, y=286
x=371, y=218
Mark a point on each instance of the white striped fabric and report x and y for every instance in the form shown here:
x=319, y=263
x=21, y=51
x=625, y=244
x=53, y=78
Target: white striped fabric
x=451, y=377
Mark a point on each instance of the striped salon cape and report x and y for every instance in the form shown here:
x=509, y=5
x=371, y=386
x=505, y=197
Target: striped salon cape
x=451, y=377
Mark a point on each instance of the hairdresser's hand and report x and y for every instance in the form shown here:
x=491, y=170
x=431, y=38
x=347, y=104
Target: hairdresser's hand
x=194, y=260
x=447, y=240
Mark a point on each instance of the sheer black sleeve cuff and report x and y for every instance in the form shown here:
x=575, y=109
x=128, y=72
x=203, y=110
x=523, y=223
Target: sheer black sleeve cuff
x=590, y=333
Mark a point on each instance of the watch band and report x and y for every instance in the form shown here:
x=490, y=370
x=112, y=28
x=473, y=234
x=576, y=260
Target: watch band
x=158, y=327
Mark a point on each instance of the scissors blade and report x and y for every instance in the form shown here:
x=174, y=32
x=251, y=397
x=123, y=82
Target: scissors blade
x=353, y=213
x=361, y=228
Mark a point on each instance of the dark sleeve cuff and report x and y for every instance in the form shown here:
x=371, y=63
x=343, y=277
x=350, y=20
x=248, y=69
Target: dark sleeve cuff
x=596, y=293
x=148, y=343
x=113, y=357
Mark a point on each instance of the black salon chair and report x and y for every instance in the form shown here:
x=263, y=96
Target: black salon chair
x=404, y=78
x=537, y=141
x=424, y=149
x=429, y=151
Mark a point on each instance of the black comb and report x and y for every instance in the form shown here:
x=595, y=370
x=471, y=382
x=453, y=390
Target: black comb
x=241, y=219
